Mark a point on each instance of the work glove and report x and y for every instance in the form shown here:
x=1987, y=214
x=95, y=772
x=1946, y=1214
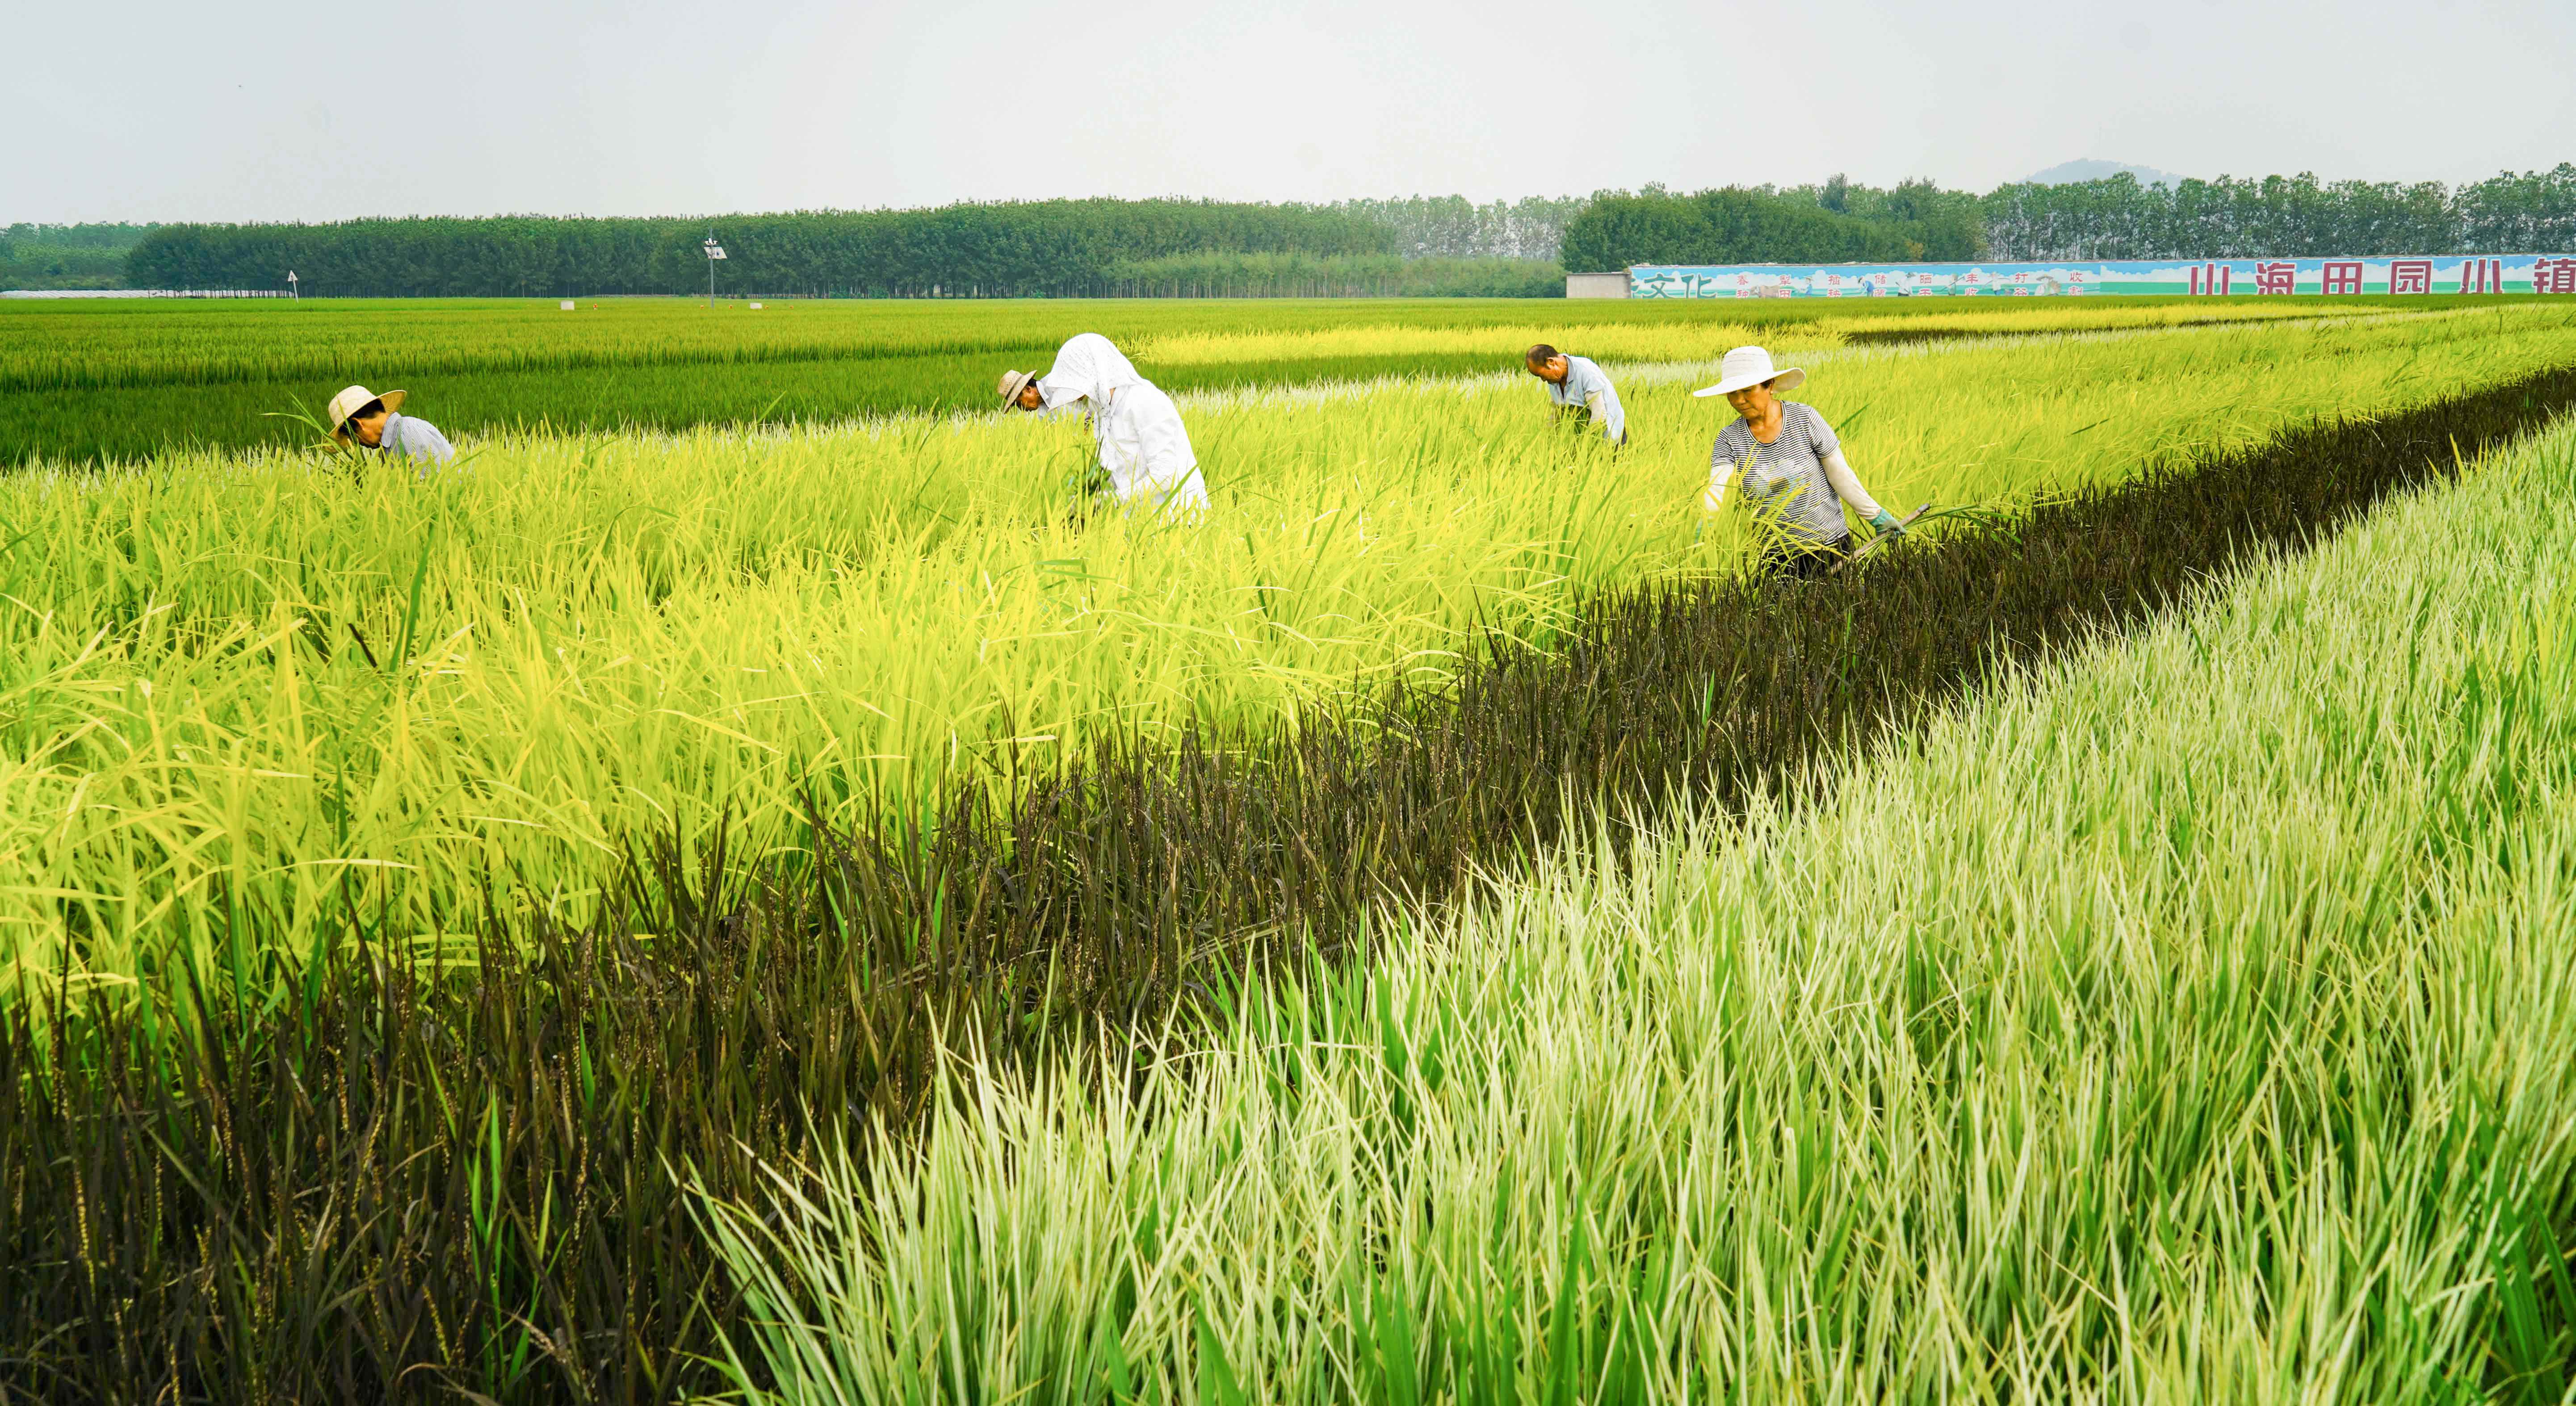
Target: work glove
x=1886, y=522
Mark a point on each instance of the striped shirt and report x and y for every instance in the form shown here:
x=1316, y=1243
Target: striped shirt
x=1784, y=479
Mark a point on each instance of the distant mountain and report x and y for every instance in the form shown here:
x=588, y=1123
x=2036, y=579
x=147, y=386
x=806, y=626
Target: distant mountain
x=2089, y=169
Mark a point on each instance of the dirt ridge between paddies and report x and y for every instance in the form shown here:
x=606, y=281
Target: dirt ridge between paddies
x=398, y=1184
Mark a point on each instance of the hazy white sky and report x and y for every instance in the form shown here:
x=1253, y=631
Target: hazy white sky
x=288, y=109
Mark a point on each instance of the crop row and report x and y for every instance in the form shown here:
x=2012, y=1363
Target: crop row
x=377, y=1181
x=464, y=700
x=2188, y=1022
x=661, y=367
x=157, y=344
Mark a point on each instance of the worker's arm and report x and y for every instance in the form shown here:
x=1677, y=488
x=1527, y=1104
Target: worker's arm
x=1838, y=472
x=1719, y=472
x=1601, y=400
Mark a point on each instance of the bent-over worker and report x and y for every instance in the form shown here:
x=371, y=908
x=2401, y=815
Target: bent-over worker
x=373, y=421
x=1789, y=463
x=1142, y=442
x=1577, y=386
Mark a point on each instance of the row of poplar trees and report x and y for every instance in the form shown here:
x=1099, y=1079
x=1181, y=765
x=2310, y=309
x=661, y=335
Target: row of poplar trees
x=1022, y=249
x=2114, y=218
x=1091, y=248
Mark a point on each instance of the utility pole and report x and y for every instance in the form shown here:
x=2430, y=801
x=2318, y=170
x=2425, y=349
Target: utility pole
x=715, y=251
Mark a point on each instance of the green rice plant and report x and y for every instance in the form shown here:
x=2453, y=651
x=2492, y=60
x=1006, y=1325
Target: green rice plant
x=2185, y=1020
x=1696, y=338
x=89, y=381
x=241, y=697
x=306, y=1200
x=73, y=346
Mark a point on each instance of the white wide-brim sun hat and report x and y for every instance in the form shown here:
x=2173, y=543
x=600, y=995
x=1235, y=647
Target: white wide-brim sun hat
x=1751, y=366
x=355, y=398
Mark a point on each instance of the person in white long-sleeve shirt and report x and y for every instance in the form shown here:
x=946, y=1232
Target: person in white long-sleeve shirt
x=1143, y=444
x=1788, y=464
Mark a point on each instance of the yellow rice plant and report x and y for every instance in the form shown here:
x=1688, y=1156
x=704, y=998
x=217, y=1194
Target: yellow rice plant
x=246, y=699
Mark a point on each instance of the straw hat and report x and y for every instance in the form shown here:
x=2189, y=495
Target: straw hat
x=1751, y=366
x=354, y=399
x=1013, y=382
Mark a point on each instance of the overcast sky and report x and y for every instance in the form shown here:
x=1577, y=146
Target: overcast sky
x=286, y=109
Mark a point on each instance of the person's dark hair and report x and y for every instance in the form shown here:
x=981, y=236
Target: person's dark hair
x=373, y=407
x=1539, y=353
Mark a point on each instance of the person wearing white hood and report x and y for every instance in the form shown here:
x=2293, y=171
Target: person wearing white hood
x=1143, y=444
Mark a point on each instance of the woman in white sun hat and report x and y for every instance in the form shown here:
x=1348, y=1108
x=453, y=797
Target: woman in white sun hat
x=360, y=416
x=1789, y=465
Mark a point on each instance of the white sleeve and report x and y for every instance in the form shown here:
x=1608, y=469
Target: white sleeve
x=1847, y=484
x=1598, y=403
x=1721, y=472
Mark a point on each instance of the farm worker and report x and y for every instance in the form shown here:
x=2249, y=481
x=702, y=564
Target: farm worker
x=1143, y=444
x=1576, y=386
x=361, y=416
x=1790, y=465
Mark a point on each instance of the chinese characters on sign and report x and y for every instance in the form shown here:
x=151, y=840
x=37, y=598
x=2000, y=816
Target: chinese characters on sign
x=2403, y=275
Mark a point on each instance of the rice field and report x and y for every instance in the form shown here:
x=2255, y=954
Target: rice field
x=96, y=380
x=109, y=344
x=781, y=906
x=2186, y=1019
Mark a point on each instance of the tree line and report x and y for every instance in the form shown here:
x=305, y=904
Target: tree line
x=66, y=256
x=2283, y=217
x=1114, y=248
x=2112, y=218
x=1834, y=223
x=1454, y=227
x=1053, y=248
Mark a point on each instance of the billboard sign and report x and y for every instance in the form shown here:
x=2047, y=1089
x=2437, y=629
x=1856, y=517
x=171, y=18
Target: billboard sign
x=2397, y=275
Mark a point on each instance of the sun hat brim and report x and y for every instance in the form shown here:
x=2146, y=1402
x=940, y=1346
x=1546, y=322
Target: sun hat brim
x=1014, y=382
x=357, y=398
x=1787, y=378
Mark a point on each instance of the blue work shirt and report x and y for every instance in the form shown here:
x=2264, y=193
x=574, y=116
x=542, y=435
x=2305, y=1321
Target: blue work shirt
x=1586, y=388
x=419, y=440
